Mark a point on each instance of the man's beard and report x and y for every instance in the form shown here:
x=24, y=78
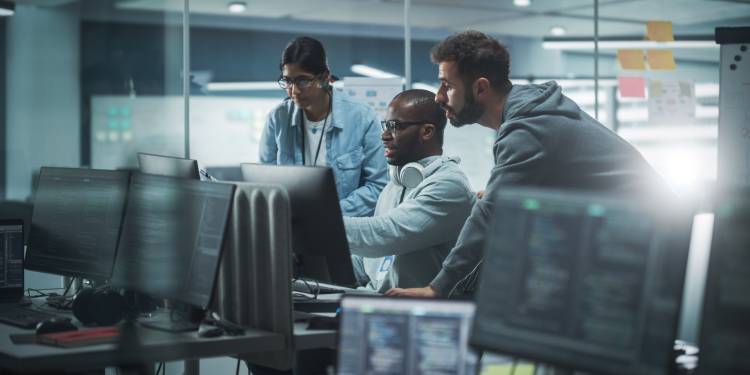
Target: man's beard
x=470, y=114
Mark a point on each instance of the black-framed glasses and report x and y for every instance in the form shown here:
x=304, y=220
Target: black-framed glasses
x=300, y=82
x=393, y=125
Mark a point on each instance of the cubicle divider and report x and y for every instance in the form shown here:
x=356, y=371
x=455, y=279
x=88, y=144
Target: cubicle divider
x=253, y=287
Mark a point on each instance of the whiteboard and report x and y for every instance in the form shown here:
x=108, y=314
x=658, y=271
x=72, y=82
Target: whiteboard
x=224, y=131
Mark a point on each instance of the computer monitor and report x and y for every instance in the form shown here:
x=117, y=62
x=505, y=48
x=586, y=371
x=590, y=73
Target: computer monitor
x=724, y=342
x=321, y=250
x=381, y=335
x=168, y=166
x=76, y=221
x=172, y=237
x=11, y=260
x=581, y=282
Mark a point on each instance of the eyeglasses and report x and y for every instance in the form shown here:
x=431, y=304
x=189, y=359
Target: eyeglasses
x=300, y=82
x=393, y=125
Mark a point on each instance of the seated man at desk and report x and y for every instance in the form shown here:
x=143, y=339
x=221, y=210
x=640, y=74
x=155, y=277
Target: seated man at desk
x=420, y=212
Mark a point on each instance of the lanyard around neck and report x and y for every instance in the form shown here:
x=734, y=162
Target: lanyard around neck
x=322, y=133
x=320, y=140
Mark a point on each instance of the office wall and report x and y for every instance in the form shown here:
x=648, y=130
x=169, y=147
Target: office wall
x=42, y=82
x=43, y=85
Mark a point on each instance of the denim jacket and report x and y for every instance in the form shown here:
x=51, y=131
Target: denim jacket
x=353, y=150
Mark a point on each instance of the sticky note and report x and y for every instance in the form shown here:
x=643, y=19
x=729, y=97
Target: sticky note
x=654, y=88
x=632, y=87
x=660, y=59
x=631, y=59
x=686, y=89
x=659, y=31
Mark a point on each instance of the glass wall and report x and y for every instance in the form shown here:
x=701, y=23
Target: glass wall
x=89, y=83
x=75, y=76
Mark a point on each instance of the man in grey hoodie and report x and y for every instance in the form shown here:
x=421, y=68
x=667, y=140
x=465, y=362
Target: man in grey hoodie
x=421, y=210
x=544, y=140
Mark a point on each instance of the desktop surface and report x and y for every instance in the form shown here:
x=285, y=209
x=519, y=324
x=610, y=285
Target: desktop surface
x=76, y=221
x=405, y=336
x=582, y=283
x=155, y=346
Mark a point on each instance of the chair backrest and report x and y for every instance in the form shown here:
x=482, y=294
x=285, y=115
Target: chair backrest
x=253, y=287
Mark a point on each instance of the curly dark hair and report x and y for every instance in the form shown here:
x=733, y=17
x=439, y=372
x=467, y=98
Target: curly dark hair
x=476, y=55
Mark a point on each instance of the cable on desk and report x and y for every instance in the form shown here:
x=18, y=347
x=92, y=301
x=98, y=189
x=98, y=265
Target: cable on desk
x=315, y=292
x=237, y=370
x=513, y=367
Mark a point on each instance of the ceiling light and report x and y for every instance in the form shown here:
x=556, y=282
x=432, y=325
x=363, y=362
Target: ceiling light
x=521, y=3
x=237, y=7
x=369, y=71
x=585, y=43
x=557, y=31
x=7, y=8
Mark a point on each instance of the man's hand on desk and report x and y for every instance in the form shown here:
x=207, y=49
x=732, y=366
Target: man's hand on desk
x=426, y=292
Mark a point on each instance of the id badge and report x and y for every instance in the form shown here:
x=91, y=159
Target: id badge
x=385, y=266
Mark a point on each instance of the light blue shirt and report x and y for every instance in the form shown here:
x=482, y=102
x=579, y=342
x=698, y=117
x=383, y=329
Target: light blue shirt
x=353, y=149
x=417, y=233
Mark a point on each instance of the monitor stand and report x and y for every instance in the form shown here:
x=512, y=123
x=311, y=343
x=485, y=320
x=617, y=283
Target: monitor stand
x=177, y=317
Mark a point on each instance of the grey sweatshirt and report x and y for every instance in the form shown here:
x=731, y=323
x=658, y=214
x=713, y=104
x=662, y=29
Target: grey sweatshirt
x=419, y=232
x=546, y=140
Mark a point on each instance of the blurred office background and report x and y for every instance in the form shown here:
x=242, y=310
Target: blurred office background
x=90, y=82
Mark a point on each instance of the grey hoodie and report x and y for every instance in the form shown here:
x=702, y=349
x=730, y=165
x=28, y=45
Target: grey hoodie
x=546, y=140
x=419, y=232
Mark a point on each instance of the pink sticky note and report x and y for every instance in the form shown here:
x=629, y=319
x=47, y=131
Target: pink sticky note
x=632, y=87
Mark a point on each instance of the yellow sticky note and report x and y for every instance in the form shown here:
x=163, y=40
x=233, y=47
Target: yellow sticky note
x=659, y=31
x=631, y=59
x=661, y=59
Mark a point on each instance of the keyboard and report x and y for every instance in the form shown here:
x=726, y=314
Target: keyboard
x=22, y=317
x=310, y=287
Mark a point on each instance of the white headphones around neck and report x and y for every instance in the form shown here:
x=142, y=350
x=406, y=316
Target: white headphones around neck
x=409, y=175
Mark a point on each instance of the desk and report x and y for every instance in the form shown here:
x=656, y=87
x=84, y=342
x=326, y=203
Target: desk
x=313, y=339
x=157, y=346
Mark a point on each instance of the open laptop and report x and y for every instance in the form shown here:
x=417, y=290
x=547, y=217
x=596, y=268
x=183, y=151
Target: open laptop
x=380, y=335
x=11, y=277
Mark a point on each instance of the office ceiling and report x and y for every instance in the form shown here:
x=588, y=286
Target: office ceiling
x=499, y=17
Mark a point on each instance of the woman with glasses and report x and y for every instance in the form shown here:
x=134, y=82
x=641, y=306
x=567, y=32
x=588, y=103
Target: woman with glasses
x=319, y=126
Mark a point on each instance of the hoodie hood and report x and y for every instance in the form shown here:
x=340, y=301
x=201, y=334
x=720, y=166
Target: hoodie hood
x=545, y=99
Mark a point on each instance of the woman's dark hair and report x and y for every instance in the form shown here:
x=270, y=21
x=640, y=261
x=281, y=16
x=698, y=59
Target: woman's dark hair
x=306, y=52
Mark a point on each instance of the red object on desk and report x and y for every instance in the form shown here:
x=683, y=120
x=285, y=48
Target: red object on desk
x=89, y=336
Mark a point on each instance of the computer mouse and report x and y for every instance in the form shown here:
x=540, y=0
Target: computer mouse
x=53, y=325
x=209, y=331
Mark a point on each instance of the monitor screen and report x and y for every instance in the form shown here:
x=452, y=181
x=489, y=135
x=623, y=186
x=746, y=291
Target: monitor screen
x=319, y=242
x=724, y=342
x=76, y=221
x=581, y=282
x=405, y=336
x=11, y=260
x=168, y=166
x=172, y=237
